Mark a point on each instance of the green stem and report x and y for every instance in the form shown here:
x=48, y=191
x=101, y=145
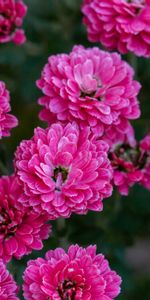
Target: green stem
x=133, y=61
x=3, y=169
x=61, y=225
x=117, y=202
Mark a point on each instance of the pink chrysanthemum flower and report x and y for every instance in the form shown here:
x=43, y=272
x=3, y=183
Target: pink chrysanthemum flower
x=92, y=87
x=7, y=121
x=79, y=274
x=64, y=170
x=8, y=287
x=119, y=24
x=12, y=13
x=21, y=230
x=131, y=162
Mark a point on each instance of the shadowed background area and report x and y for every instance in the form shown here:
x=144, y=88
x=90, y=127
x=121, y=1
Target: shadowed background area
x=122, y=230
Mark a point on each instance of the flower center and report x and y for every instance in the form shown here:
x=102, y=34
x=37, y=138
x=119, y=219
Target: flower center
x=60, y=171
x=89, y=86
x=127, y=153
x=124, y=154
x=85, y=94
x=59, y=176
x=7, y=228
x=67, y=290
x=4, y=218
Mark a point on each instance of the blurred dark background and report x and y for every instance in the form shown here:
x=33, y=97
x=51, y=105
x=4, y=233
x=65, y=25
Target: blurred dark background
x=122, y=230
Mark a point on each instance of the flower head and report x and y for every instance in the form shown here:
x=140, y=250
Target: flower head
x=12, y=13
x=7, y=121
x=119, y=24
x=90, y=86
x=79, y=274
x=8, y=287
x=21, y=230
x=64, y=170
x=131, y=162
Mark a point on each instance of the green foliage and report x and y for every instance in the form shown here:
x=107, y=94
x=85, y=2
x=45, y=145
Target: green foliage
x=54, y=26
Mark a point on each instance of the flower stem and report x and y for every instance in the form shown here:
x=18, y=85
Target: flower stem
x=3, y=169
x=133, y=61
x=117, y=202
x=61, y=226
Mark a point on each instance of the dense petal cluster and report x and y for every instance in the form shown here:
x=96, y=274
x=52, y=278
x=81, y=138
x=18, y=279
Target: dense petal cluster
x=21, y=230
x=131, y=162
x=79, y=274
x=92, y=87
x=64, y=170
x=116, y=135
x=7, y=121
x=8, y=287
x=119, y=24
x=12, y=13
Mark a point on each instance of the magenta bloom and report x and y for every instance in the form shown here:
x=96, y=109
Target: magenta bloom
x=92, y=87
x=119, y=24
x=64, y=170
x=7, y=121
x=79, y=274
x=12, y=13
x=8, y=287
x=21, y=230
x=131, y=162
